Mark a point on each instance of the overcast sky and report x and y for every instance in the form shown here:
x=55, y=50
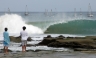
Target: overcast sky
x=41, y=5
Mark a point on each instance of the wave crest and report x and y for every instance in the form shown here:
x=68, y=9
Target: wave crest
x=14, y=24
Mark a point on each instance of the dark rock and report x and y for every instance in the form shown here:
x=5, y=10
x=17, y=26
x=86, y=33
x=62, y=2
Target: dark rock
x=49, y=36
x=47, y=40
x=77, y=43
x=60, y=37
x=15, y=39
x=64, y=44
x=70, y=37
x=18, y=39
x=33, y=50
x=29, y=39
x=55, y=44
x=70, y=45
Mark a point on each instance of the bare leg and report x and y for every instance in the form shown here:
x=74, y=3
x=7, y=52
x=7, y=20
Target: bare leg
x=6, y=50
x=25, y=48
x=22, y=48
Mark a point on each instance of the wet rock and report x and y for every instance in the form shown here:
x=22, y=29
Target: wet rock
x=15, y=39
x=49, y=36
x=18, y=39
x=47, y=40
x=29, y=39
x=69, y=42
x=70, y=37
x=60, y=37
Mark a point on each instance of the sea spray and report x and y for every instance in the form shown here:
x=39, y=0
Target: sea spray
x=63, y=23
x=14, y=24
x=44, y=22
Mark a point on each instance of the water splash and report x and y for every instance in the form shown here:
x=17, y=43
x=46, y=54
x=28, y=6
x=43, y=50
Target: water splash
x=14, y=24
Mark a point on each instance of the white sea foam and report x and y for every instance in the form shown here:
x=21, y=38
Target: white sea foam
x=38, y=48
x=41, y=36
x=14, y=24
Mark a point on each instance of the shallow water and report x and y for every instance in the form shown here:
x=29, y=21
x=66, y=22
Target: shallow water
x=38, y=38
x=49, y=54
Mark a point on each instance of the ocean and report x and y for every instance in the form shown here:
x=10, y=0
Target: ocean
x=41, y=24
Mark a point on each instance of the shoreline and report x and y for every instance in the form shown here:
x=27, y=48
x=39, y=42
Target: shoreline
x=48, y=54
x=76, y=43
x=84, y=53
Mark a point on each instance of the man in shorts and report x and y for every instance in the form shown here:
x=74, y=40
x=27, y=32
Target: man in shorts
x=24, y=36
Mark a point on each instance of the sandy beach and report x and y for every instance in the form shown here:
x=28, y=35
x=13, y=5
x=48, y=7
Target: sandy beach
x=48, y=54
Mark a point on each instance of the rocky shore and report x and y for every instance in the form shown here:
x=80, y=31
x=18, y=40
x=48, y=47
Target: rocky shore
x=84, y=47
x=76, y=43
x=87, y=43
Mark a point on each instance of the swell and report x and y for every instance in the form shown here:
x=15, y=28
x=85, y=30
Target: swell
x=74, y=27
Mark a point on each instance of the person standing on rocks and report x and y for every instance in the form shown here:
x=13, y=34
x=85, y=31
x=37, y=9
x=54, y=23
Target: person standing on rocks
x=24, y=36
x=6, y=41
